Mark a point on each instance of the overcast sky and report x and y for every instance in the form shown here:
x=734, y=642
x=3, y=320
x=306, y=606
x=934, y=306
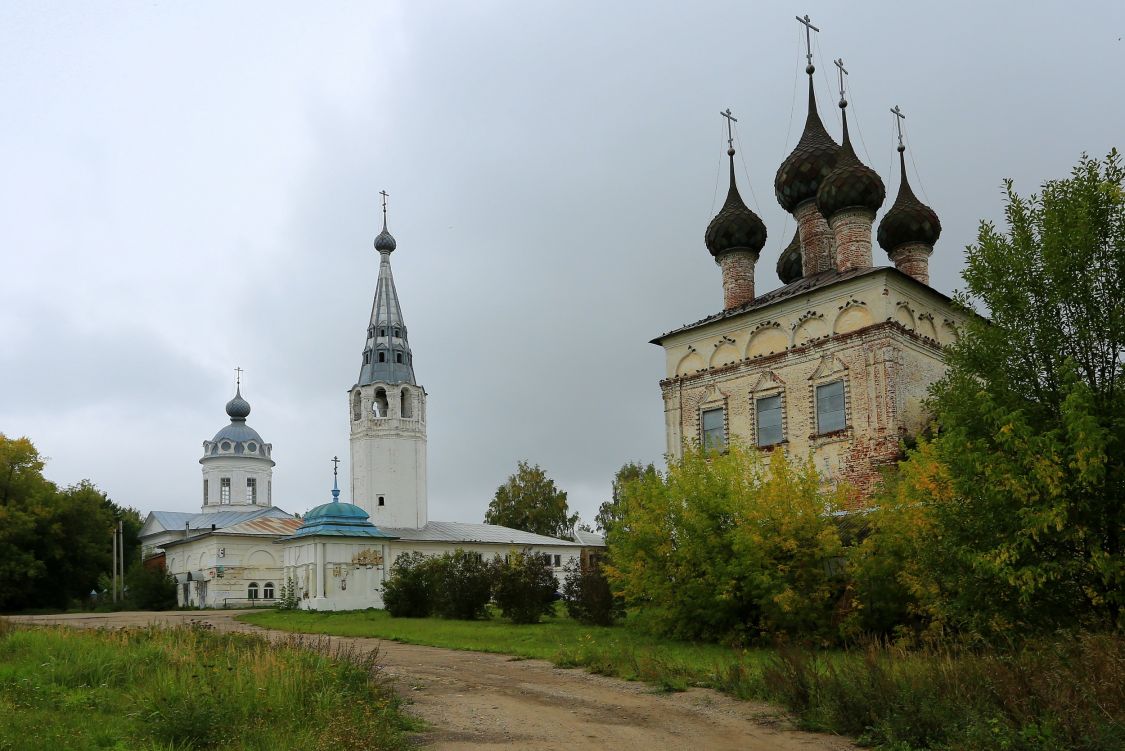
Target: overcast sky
x=187, y=187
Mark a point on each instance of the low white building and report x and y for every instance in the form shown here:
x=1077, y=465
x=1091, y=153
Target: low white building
x=241, y=549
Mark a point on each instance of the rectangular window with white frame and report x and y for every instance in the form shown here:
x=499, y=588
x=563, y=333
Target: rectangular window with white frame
x=224, y=490
x=770, y=428
x=205, y=492
x=713, y=433
x=251, y=490
x=830, y=413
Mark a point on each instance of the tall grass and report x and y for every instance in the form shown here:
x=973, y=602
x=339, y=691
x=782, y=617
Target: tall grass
x=1065, y=694
x=189, y=688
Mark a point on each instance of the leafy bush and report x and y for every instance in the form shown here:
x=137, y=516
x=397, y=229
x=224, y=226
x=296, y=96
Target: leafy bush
x=462, y=585
x=588, y=596
x=726, y=548
x=408, y=590
x=150, y=588
x=525, y=587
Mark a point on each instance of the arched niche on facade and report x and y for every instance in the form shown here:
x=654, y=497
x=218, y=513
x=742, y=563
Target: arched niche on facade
x=905, y=316
x=724, y=354
x=926, y=327
x=261, y=558
x=690, y=363
x=406, y=402
x=852, y=318
x=357, y=405
x=809, y=329
x=767, y=341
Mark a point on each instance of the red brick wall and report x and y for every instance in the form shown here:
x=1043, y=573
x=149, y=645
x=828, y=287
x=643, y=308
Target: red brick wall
x=817, y=243
x=852, y=230
x=913, y=259
x=738, y=277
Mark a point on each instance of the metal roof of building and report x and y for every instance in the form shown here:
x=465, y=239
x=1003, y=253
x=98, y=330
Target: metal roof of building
x=468, y=532
x=175, y=520
x=589, y=539
x=264, y=525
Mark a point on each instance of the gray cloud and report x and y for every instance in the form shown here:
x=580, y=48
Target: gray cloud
x=192, y=188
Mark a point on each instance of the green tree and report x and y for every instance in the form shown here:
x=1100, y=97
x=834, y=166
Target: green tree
x=530, y=501
x=54, y=543
x=609, y=513
x=1026, y=511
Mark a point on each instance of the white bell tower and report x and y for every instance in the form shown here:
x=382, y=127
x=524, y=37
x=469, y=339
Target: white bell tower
x=387, y=412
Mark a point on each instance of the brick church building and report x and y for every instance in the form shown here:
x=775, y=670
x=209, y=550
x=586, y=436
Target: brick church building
x=836, y=363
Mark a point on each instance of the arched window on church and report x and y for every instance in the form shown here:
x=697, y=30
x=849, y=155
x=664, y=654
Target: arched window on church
x=380, y=405
x=382, y=357
x=267, y=591
x=252, y=591
x=356, y=406
x=406, y=407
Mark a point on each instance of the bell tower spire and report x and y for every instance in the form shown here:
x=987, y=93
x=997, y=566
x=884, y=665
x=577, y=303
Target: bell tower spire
x=388, y=410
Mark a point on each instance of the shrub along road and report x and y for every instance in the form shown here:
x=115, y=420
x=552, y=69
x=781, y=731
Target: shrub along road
x=475, y=701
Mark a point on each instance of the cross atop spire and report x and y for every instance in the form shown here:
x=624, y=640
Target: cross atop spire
x=237, y=378
x=809, y=29
x=385, y=196
x=335, y=484
x=899, y=117
x=839, y=62
x=730, y=136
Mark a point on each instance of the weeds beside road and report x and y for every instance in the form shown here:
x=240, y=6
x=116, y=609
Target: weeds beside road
x=1067, y=694
x=189, y=688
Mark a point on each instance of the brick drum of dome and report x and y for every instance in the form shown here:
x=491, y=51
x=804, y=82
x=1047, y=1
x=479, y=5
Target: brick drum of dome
x=913, y=259
x=852, y=228
x=817, y=244
x=738, y=277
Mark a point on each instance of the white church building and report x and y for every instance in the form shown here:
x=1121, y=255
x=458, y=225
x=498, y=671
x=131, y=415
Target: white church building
x=240, y=549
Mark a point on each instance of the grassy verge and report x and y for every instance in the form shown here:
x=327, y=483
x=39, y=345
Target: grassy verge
x=1067, y=694
x=620, y=651
x=188, y=688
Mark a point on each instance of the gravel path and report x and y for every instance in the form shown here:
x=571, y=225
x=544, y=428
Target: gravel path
x=476, y=701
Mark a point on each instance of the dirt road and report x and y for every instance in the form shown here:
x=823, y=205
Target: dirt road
x=474, y=701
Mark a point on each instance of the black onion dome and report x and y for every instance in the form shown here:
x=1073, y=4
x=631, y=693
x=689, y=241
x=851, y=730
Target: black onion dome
x=789, y=268
x=909, y=220
x=238, y=408
x=385, y=241
x=735, y=227
x=800, y=174
x=851, y=185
